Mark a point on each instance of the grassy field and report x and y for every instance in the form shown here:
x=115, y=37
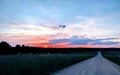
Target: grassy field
x=114, y=56
x=39, y=64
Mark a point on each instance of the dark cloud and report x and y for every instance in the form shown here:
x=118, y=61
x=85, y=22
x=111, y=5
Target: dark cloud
x=103, y=43
x=75, y=40
x=55, y=41
x=108, y=39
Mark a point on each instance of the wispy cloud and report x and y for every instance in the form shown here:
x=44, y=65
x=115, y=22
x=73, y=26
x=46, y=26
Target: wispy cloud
x=37, y=22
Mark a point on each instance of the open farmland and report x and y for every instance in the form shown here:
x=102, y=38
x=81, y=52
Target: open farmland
x=39, y=64
x=114, y=56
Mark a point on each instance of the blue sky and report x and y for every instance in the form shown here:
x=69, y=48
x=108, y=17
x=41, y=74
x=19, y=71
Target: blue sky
x=62, y=10
x=94, y=19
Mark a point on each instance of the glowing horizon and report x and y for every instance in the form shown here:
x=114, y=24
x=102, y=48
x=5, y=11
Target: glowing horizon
x=93, y=24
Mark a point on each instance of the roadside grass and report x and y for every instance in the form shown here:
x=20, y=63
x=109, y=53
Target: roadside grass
x=38, y=64
x=113, y=56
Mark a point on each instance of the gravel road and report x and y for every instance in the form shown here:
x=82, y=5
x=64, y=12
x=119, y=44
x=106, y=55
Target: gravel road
x=97, y=65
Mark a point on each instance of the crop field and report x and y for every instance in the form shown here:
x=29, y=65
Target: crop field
x=39, y=64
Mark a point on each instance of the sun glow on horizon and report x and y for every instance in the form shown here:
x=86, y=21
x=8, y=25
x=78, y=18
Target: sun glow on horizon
x=37, y=23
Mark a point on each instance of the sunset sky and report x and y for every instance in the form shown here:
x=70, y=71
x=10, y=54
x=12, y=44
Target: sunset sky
x=89, y=23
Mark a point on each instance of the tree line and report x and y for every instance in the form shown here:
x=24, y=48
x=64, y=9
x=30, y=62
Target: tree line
x=6, y=48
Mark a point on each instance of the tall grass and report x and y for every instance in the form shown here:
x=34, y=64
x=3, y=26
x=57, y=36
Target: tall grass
x=113, y=56
x=38, y=64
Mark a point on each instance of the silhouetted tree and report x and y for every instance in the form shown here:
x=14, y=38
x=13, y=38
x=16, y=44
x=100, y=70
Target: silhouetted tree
x=17, y=46
x=4, y=44
x=23, y=46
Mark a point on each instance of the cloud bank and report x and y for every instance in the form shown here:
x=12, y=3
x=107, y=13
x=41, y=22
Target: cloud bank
x=75, y=40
